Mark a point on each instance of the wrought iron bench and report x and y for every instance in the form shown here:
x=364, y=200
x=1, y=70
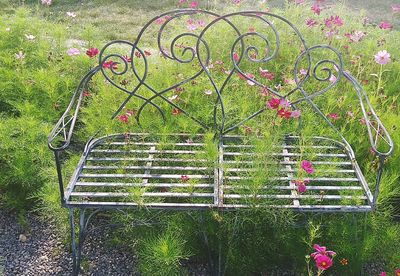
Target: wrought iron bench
x=232, y=169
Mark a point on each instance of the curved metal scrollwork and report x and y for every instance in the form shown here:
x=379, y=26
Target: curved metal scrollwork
x=199, y=55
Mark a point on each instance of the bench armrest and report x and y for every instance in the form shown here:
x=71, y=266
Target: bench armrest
x=377, y=132
x=60, y=136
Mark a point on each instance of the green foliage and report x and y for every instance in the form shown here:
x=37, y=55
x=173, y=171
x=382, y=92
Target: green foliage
x=36, y=89
x=162, y=254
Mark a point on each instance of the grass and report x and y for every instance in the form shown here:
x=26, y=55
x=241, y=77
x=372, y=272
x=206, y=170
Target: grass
x=36, y=90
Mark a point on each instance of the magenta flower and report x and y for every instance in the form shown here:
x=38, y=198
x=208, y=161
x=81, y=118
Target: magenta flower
x=266, y=74
x=383, y=273
x=396, y=9
x=273, y=103
x=194, y=4
x=126, y=58
x=123, y=118
x=321, y=251
x=316, y=9
x=92, y=52
x=86, y=93
x=333, y=116
x=323, y=262
x=236, y=57
x=73, y=52
x=301, y=185
x=284, y=113
x=311, y=22
x=385, y=25
x=333, y=21
x=296, y=113
x=332, y=78
x=236, y=2
x=110, y=64
x=382, y=57
x=307, y=167
x=184, y=178
x=397, y=272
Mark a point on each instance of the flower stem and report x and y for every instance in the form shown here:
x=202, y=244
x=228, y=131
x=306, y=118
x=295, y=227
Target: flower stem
x=379, y=80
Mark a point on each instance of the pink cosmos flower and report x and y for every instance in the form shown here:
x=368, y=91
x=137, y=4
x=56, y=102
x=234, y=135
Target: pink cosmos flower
x=321, y=251
x=246, y=77
x=123, y=118
x=86, y=93
x=266, y=74
x=311, y=22
x=20, y=55
x=236, y=57
x=201, y=23
x=397, y=271
x=316, y=9
x=236, y=2
x=350, y=114
x=356, y=36
x=296, y=113
x=110, y=64
x=273, y=103
x=323, y=262
x=176, y=111
x=73, y=52
x=264, y=92
x=71, y=14
x=159, y=20
x=92, y=52
x=284, y=113
x=303, y=71
x=332, y=78
x=284, y=103
x=333, y=21
x=184, y=178
x=382, y=57
x=385, y=25
x=47, y=2
x=333, y=116
x=301, y=185
x=396, y=9
x=194, y=4
x=127, y=58
x=307, y=167
x=383, y=273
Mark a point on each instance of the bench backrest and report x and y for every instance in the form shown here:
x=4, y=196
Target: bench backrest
x=234, y=53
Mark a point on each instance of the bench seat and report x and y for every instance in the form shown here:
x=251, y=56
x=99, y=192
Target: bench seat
x=174, y=171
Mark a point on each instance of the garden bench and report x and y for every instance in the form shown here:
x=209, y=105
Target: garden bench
x=179, y=171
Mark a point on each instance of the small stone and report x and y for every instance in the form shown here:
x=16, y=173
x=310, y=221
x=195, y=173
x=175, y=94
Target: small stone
x=22, y=238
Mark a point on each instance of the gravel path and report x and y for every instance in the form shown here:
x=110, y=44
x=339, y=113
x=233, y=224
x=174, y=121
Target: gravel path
x=43, y=253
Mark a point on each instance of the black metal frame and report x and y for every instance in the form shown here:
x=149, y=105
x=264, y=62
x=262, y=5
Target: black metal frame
x=64, y=128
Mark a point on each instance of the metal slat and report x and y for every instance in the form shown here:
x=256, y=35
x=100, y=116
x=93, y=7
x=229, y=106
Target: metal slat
x=88, y=167
x=327, y=188
x=144, y=159
x=151, y=185
x=147, y=151
x=336, y=197
x=145, y=194
x=142, y=175
x=321, y=179
x=288, y=154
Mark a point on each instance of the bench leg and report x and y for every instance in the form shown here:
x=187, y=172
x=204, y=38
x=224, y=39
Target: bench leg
x=77, y=241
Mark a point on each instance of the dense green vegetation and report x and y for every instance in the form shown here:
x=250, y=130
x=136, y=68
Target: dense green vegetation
x=38, y=77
